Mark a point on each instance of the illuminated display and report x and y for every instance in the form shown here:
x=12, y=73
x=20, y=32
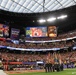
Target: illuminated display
x=52, y=31
x=36, y=31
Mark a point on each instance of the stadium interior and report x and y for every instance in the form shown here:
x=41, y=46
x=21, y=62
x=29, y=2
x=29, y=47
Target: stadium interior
x=37, y=35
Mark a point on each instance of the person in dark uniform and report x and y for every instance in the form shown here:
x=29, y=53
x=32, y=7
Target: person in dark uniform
x=61, y=67
x=46, y=67
x=49, y=65
x=56, y=60
x=60, y=63
x=53, y=65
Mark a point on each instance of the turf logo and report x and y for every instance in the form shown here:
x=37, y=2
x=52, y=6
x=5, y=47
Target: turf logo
x=73, y=72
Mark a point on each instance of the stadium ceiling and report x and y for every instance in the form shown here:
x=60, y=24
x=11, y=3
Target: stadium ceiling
x=35, y=6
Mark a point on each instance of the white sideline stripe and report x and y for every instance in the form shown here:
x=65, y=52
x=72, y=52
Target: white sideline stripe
x=2, y=72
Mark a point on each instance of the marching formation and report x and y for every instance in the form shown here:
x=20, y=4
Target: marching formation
x=54, y=63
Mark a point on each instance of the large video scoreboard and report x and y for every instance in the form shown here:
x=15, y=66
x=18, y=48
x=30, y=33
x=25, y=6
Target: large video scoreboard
x=36, y=32
x=50, y=31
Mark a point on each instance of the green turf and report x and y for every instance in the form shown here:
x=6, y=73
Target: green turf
x=65, y=72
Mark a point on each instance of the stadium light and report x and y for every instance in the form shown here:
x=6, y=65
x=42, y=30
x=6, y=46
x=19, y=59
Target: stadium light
x=51, y=19
x=42, y=21
x=62, y=17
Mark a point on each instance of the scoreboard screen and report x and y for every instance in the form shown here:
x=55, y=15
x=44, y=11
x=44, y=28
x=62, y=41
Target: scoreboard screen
x=36, y=31
x=52, y=31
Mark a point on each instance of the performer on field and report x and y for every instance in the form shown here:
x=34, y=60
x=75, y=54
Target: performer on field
x=56, y=64
x=48, y=65
x=61, y=63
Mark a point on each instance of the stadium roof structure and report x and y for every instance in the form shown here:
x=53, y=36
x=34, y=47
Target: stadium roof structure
x=35, y=6
x=24, y=13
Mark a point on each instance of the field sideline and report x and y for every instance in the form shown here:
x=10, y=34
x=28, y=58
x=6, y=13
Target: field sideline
x=65, y=72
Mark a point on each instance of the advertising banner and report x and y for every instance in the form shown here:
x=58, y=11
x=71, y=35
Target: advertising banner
x=1, y=30
x=15, y=33
x=6, y=31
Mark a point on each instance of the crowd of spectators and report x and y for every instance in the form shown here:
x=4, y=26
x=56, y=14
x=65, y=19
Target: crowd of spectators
x=22, y=57
x=65, y=57
x=60, y=44
x=43, y=45
x=49, y=45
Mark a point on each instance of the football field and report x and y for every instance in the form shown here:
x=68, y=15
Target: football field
x=65, y=72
